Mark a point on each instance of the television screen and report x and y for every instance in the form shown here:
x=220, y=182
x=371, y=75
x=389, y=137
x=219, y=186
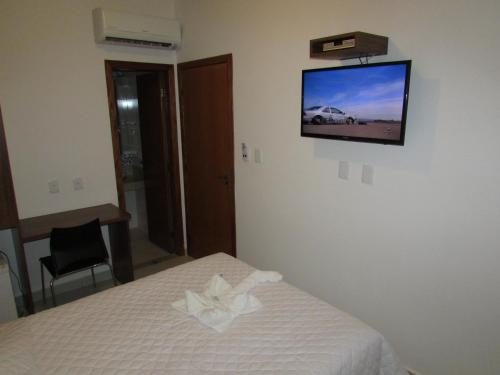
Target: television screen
x=364, y=103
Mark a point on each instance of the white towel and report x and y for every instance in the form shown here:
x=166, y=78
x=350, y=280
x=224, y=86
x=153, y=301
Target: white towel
x=219, y=303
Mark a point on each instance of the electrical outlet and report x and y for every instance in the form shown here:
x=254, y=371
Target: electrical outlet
x=53, y=186
x=367, y=174
x=344, y=170
x=77, y=183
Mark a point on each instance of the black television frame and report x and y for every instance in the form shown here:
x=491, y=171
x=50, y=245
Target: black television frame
x=399, y=142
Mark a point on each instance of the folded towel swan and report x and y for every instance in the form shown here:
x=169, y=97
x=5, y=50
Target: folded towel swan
x=219, y=304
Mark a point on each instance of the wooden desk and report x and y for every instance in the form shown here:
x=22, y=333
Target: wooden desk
x=37, y=228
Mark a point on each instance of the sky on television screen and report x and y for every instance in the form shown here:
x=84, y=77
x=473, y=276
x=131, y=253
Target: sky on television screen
x=370, y=93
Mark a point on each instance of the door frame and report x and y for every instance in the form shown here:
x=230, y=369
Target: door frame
x=221, y=59
x=170, y=133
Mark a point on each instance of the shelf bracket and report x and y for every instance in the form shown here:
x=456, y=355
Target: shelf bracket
x=365, y=61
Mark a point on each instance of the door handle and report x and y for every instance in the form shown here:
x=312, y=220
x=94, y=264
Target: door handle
x=224, y=178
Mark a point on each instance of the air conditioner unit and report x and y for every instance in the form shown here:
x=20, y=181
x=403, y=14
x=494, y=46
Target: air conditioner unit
x=114, y=27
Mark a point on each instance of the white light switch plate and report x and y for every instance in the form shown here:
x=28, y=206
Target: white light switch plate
x=53, y=186
x=367, y=174
x=77, y=183
x=344, y=170
x=258, y=157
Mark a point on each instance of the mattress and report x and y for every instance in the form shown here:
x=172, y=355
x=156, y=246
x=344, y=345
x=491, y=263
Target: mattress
x=132, y=329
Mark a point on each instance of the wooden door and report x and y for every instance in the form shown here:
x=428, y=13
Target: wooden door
x=159, y=198
x=208, y=149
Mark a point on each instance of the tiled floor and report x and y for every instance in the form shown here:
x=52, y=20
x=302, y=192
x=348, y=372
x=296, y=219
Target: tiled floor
x=160, y=266
x=147, y=259
x=145, y=252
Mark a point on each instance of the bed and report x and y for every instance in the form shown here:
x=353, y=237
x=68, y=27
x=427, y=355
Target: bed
x=132, y=329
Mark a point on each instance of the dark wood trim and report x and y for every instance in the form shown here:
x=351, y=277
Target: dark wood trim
x=221, y=59
x=168, y=70
x=39, y=227
x=132, y=66
x=174, y=164
x=121, y=254
x=8, y=204
x=10, y=217
x=229, y=61
x=22, y=267
x=115, y=138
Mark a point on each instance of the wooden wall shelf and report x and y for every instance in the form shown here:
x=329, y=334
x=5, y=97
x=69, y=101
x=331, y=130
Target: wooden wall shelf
x=349, y=46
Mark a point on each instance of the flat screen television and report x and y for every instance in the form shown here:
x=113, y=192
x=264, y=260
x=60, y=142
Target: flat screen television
x=363, y=103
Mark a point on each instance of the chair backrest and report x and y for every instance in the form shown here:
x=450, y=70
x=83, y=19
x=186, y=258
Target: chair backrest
x=74, y=246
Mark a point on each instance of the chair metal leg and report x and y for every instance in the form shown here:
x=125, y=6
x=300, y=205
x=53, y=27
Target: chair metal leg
x=52, y=292
x=43, y=283
x=93, y=277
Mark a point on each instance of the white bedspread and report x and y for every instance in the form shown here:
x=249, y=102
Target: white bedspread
x=133, y=329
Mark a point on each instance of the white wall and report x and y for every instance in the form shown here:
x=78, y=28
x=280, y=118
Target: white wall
x=416, y=255
x=54, y=100
x=54, y=104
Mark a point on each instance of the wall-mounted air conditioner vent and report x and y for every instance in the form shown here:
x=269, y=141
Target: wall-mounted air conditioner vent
x=125, y=28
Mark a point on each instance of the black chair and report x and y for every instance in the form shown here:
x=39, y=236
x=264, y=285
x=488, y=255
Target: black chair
x=72, y=250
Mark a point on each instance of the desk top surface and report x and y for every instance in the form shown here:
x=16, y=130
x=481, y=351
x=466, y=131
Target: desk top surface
x=39, y=227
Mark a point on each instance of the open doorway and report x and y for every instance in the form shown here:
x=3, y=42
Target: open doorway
x=143, y=124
